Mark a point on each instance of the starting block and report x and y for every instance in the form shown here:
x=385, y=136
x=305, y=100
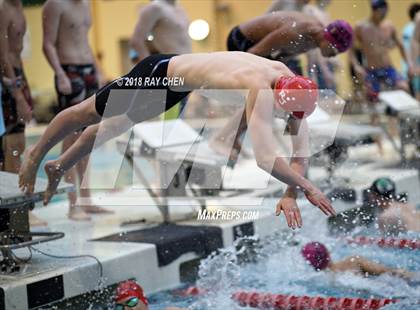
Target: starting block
x=14, y=220
x=184, y=160
x=408, y=112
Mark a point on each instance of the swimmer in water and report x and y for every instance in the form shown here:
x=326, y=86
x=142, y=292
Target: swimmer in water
x=394, y=216
x=265, y=86
x=279, y=36
x=130, y=296
x=318, y=256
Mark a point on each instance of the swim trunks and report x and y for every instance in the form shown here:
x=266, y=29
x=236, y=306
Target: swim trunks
x=387, y=76
x=140, y=106
x=11, y=120
x=84, y=84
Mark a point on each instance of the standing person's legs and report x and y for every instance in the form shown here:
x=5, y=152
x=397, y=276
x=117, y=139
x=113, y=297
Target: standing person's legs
x=71, y=176
x=84, y=85
x=395, y=81
x=373, y=87
x=14, y=147
x=14, y=138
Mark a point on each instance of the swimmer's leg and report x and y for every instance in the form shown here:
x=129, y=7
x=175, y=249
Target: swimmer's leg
x=107, y=129
x=65, y=123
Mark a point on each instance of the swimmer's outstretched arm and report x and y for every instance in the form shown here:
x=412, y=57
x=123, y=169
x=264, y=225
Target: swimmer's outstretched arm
x=300, y=141
x=370, y=268
x=66, y=122
x=94, y=136
x=259, y=111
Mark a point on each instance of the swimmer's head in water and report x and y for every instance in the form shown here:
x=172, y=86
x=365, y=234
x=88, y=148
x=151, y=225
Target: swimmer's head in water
x=128, y=292
x=384, y=187
x=296, y=94
x=379, y=8
x=317, y=255
x=338, y=37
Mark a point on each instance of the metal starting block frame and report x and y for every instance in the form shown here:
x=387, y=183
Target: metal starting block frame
x=184, y=161
x=346, y=135
x=408, y=109
x=14, y=220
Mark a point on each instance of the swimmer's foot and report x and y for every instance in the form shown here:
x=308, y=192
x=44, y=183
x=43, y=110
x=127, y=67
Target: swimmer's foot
x=92, y=209
x=27, y=172
x=54, y=173
x=77, y=213
x=35, y=221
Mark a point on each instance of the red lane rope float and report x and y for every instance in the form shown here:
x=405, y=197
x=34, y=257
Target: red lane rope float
x=413, y=244
x=291, y=302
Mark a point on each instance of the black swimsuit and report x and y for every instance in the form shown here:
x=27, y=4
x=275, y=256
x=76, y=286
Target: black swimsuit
x=140, y=105
x=237, y=41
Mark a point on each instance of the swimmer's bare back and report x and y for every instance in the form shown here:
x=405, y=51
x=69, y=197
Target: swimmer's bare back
x=226, y=70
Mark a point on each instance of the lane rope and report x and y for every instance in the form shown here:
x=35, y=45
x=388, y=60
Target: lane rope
x=413, y=244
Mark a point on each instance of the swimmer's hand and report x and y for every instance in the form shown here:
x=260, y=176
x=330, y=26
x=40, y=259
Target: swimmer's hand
x=288, y=205
x=63, y=84
x=318, y=199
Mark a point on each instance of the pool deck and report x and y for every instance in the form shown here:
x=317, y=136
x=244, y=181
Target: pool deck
x=68, y=278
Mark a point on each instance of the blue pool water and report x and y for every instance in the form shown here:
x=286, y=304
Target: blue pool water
x=281, y=269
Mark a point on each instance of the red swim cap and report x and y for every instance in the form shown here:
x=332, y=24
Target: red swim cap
x=316, y=254
x=339, y=34
x=129, y=289
x=296, y=94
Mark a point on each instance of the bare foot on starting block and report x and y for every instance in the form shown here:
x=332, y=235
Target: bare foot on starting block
x=35, y=221
x=92, y=209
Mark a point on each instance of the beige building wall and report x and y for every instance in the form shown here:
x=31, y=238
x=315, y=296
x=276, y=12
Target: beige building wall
x=114, y=21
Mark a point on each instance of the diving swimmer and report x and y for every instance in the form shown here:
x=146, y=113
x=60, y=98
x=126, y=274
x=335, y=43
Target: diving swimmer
x=266, y=86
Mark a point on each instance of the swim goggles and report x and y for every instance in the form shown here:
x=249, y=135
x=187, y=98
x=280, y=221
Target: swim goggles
x=131, y=303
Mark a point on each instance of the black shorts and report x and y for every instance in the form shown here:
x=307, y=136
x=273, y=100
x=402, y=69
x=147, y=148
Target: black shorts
x=83, y=85
x=140, y=105
x=237, y=41
x=11, y=119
